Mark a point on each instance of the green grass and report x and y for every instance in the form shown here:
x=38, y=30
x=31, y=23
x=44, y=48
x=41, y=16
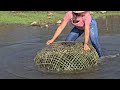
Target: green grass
x=27, y=17
x=112, y=13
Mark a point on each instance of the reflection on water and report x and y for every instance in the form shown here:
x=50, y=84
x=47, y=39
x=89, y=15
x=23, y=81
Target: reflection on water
x=19, y=45
x=108, y=25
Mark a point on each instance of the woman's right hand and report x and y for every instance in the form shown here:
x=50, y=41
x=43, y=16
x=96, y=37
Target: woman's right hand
x=50, y=42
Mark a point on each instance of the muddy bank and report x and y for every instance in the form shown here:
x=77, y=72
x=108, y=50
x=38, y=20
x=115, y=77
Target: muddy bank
x=106, y=24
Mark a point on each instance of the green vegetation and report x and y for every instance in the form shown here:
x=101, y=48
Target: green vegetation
x=110, y=13
x=27, y=17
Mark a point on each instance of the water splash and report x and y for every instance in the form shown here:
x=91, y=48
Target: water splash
x=109, y=55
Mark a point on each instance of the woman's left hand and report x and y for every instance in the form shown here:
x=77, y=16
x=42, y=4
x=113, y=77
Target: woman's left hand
x=86, y=47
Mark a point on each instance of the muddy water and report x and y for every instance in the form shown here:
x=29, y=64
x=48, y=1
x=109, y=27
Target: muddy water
x=19, y=45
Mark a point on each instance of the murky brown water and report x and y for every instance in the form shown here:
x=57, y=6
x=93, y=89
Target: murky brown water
x=19, y=45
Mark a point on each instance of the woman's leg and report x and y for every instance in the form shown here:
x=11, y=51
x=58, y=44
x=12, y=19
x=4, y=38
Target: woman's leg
x=94, y=37
x=74, y=34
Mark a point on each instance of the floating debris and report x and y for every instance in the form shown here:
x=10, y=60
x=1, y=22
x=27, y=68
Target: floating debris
x=65, y=57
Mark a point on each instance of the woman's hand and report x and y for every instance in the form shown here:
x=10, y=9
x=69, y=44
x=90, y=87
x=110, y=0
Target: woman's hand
x=50, y=42
x=86, y=47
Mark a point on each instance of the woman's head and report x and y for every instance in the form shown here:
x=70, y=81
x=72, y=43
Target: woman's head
x=76, y=14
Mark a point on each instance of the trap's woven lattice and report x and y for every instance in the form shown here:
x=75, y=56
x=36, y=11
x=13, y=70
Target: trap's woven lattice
x=65, y=57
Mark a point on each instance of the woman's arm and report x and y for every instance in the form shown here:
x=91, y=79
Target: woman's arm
x=57, y=32
x=87, y=34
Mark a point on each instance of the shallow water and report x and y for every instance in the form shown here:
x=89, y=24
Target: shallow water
x=19, y=45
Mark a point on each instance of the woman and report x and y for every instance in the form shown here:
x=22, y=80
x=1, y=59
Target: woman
x=83, y=23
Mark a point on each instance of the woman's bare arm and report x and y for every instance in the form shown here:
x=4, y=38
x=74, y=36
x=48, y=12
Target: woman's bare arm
x=87, y=33
x=57, y=32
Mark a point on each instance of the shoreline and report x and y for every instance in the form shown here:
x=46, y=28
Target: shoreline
x=41, y=18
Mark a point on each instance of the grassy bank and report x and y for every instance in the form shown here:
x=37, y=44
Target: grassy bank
x=27, y=17
x=110, y=13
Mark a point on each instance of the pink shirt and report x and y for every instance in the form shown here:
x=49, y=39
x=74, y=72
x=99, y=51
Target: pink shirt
x=83, y=20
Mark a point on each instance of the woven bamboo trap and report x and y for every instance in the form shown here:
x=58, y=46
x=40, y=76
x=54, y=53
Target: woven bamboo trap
x=65, y=57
